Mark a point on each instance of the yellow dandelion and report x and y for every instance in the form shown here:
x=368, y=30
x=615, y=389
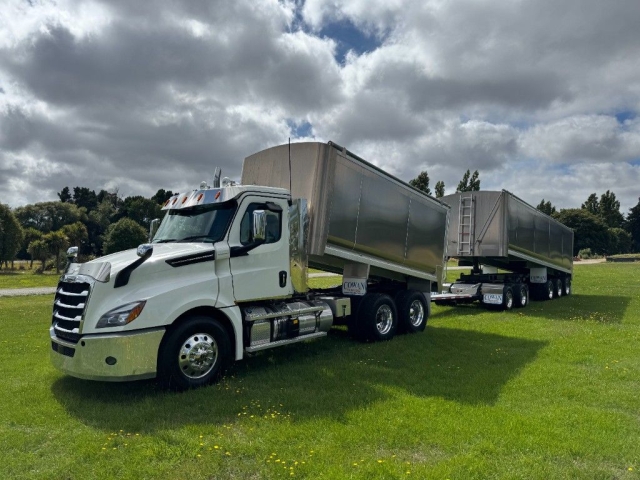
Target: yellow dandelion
x=379, y=461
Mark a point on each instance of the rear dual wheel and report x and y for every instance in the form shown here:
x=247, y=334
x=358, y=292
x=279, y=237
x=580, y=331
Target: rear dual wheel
x=413, y=311
x=377, y=318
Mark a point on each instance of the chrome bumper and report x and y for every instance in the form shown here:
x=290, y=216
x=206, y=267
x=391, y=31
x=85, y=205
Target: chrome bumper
x=92, y=358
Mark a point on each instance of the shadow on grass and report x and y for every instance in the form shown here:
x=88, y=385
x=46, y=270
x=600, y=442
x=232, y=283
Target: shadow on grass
x=576, y=307
x=328, y=378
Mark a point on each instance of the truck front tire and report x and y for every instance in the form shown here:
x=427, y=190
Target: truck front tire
x=195, y=353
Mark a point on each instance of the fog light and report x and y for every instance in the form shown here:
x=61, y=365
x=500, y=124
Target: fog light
x=110, y=360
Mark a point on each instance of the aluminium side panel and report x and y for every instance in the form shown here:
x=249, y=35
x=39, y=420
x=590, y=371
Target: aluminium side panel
x=357, y=209
x=506, y=227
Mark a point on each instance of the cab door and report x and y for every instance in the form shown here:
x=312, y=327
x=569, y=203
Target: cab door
x=263, y=271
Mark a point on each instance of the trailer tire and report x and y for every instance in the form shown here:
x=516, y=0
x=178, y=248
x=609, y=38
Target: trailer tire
x=413, y=311
x=559, y=289
x=195, y=353
x=377, y=318
x=521, y=295
x=507, y=298
x=566, y=285
x=548, y=290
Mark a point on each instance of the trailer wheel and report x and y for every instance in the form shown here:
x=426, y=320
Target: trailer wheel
x=566, y=285
x=195, y=353
x=507, y=298
x=521, y=295
x=549, y=289
x=413, y=311
x=559, y=289
x=377, y=317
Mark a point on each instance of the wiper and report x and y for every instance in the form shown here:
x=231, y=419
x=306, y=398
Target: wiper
x=165, y=240
x=194, y=237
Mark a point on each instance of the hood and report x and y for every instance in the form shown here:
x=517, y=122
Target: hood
x=155, y=263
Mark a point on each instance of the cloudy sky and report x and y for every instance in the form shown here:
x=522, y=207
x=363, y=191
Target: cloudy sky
x=541, y=96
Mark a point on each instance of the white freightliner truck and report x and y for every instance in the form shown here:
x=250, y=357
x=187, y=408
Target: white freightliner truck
x=226, y=272
x=517, y=252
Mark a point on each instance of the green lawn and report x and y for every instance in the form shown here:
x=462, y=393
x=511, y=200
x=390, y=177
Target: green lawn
x=17, y=279
x=551, y=391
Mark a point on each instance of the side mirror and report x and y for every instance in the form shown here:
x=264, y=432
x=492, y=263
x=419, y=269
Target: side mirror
x=259, y=225
x=153, y=227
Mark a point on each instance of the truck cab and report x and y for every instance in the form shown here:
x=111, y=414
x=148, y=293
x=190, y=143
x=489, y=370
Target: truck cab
x=111, y=314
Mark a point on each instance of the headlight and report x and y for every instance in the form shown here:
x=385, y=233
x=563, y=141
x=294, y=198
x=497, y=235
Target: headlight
x=122, y=315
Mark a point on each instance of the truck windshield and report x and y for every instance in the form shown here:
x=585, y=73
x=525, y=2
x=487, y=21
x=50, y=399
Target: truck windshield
x=202, y=223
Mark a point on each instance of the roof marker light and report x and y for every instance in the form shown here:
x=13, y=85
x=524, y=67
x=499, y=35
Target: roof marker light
x=184, y=199
x=174, y=201
x=199, y=197
x=217, y=195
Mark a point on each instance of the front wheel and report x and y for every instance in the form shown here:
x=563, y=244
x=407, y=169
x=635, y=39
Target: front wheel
x=377, y=317
x=412, y=311
x=194, y=354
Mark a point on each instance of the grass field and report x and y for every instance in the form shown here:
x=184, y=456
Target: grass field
x=17, y=279
x=551, y=391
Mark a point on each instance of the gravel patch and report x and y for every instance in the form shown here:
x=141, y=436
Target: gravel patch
x=21, y=292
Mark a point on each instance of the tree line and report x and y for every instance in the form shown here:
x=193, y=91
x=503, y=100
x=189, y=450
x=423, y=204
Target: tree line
x=598, y=224
x=104, y=222
x=98, y=223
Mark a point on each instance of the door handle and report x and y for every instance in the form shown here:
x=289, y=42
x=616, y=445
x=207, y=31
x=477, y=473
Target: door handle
x=283, y=278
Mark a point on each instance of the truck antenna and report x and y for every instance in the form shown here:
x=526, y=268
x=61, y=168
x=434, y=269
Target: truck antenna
x=216, y=177
x=290, y=166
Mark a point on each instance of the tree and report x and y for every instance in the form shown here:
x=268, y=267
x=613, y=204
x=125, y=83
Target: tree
x=39, y=250
x=30, y=234
x=76, y=233
x=140, y=209
x=546, y=207
x=122, y=235
x=610, y=210
x=64, y=195
x=620, y=241
x=469, y=182
x=162, y=196
x=99, y=221
x=440, y=189
x=421, y=182
x=592, y=205
x=56, y=242
x=589, y=230
x=84, y=197
x=49, y=216
x=633, y=226
x=11, y=235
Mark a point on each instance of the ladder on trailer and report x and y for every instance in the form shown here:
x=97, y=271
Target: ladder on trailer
x=466, y=225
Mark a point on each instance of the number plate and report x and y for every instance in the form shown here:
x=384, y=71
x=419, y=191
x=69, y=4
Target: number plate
x=492, y=298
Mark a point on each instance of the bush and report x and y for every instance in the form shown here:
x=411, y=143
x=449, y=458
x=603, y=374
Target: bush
x=585, y=254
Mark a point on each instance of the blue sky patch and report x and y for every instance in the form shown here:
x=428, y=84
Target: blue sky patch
x=625, y=115
x=302, y=129
x=349, y=37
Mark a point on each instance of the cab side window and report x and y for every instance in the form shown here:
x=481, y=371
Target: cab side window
x=274, y=224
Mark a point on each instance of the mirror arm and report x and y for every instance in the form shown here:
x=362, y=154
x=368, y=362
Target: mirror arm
x=244, y=249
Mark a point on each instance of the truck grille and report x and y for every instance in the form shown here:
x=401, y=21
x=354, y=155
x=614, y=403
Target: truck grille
x=68, y=308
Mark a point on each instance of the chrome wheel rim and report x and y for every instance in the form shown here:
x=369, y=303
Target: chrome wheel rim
x=416, y=313
x=509, y=299
x=198, y=355
x=550, y=290
x=523, y=297
x=559, y=288
x=567, y=288
x=384, y=319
